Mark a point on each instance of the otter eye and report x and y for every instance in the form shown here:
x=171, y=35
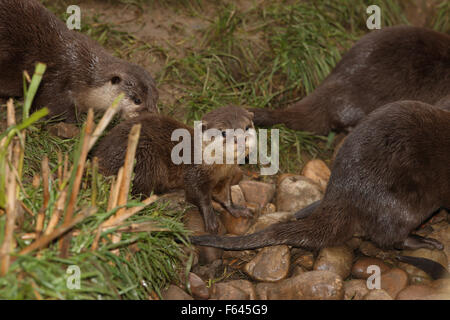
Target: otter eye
x=247, y=128
x=115, y=80
x=137, y=101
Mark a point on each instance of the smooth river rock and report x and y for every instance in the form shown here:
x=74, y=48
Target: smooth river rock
x=270, y=264
x=377, y=294
x=355, y=289
x=233, y=290
x=359, y=269
x=268, y=219
x=394, y=281
x=416, y=292
x=317, y=171
x=257, y=192
x=335, y=259
x=175, y=293
x=312, y=285
x=296, y=192
x=198, y=287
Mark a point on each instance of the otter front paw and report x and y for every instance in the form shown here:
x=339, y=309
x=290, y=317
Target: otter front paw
x=211, y=224
x=239, y=211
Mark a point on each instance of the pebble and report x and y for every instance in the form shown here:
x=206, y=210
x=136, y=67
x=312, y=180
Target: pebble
x=317, y=171
x=355, y=289
x=235, y=225
x=438, y=296
x=312, y=285
x=416, y=292
x=270, y=264
x=237, y=196
x=175, y=293
x=442, y=285
x=198, y=287
x=394, y=281
x=233, y=290
x=264, y=221
x=257, y=192
x=377, y=294
x=296, y=192
x=335, y=259
x=359, y=269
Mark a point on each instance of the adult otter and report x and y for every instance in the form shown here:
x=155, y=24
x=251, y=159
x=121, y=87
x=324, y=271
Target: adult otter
x=390, y=175
x=80, y=73
x=387, y=65
x=156, y=171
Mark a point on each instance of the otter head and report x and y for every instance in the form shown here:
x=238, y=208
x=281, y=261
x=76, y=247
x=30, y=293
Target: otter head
x=230, y=124
x=115, y=78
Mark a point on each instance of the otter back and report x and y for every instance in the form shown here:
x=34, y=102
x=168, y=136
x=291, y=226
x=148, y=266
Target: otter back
x=387, y=65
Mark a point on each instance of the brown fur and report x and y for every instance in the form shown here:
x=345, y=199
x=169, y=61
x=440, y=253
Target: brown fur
x=79, y=72
x=155, y=171
x=387, y=65
x=391, y=174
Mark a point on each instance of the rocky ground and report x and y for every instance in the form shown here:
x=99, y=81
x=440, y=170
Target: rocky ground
x=282, y=272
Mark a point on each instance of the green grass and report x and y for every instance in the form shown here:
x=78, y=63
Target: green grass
x=269, y=56
x=130, y=275
x=145, y=261
x=104, y=275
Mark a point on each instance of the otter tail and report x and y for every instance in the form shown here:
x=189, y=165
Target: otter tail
x=433, y=268
x=318, y=229
x=266, y=117
x=298, y=117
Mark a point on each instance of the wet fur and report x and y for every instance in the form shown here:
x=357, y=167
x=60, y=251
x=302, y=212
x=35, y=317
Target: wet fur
x=79, y=71
x=389, y=176
x=387, y=65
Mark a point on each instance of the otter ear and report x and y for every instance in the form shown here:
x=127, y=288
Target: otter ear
x=115, y=80
x=250, y=115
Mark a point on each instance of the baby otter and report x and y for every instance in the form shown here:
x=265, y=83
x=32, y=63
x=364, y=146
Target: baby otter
x=387, y=65
x=80, y=73
x=156, y=171
x=391, y=173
